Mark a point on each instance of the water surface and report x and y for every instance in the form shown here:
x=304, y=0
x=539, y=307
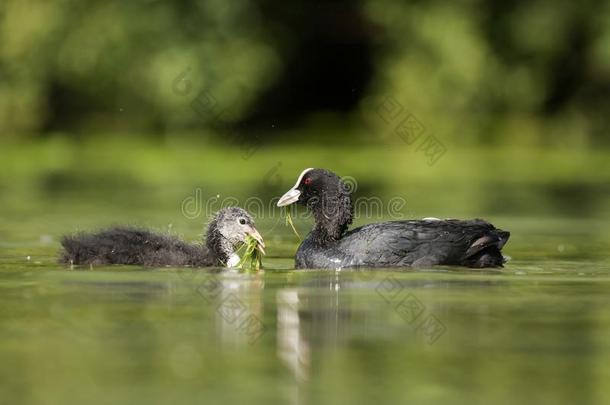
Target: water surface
x=537, y=331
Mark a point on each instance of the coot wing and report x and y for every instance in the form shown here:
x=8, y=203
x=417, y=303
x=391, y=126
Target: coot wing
x=420, y=243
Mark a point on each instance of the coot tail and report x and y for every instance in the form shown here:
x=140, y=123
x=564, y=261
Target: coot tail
x=487, y=250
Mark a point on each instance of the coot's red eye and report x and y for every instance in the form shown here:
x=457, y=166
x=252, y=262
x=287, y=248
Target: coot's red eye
x=307, y=181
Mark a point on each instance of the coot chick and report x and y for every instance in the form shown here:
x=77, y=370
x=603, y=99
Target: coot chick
x=125, y=245
x=472, y=243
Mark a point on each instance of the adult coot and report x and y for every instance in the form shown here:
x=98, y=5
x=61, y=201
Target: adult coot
x=123, y=245
x=472, y=243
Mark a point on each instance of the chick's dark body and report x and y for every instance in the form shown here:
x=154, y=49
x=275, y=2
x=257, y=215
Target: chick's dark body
x=127, y=245
x=123, y=245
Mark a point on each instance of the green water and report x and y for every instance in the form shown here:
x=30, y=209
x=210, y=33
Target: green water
x=537, y=331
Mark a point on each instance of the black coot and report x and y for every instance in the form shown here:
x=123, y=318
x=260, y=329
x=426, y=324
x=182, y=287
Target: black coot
x=472, y=243
x=123, y=245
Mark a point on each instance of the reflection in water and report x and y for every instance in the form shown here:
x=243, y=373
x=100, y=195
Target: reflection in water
x=292, y=348
x=311, y=315
x=304, y=337
x=237, y=301
x=239, y=309
x=305, y=316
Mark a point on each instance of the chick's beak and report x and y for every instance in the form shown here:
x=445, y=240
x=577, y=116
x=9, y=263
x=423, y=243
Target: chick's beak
x=257, y=236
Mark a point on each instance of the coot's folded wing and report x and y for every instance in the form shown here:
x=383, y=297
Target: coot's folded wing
x=422, y=243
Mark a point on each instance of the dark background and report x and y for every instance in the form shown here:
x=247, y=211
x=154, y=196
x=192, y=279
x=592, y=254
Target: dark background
x=533, y=72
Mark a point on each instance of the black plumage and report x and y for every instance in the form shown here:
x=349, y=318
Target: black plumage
x=428, y=242
x=127, y=245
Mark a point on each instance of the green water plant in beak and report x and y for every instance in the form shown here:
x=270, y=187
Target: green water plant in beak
x=252, y=259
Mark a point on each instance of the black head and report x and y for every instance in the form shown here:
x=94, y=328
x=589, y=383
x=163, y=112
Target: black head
x=325, y=194
x=228, y=230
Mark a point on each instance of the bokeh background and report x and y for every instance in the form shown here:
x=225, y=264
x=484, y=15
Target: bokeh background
x=532, y=73
x=155, y=113
x=113, y=111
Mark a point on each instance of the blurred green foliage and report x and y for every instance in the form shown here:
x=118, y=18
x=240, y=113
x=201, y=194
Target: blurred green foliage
x=533, y=72
x=108, y=64
x=472, y=71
